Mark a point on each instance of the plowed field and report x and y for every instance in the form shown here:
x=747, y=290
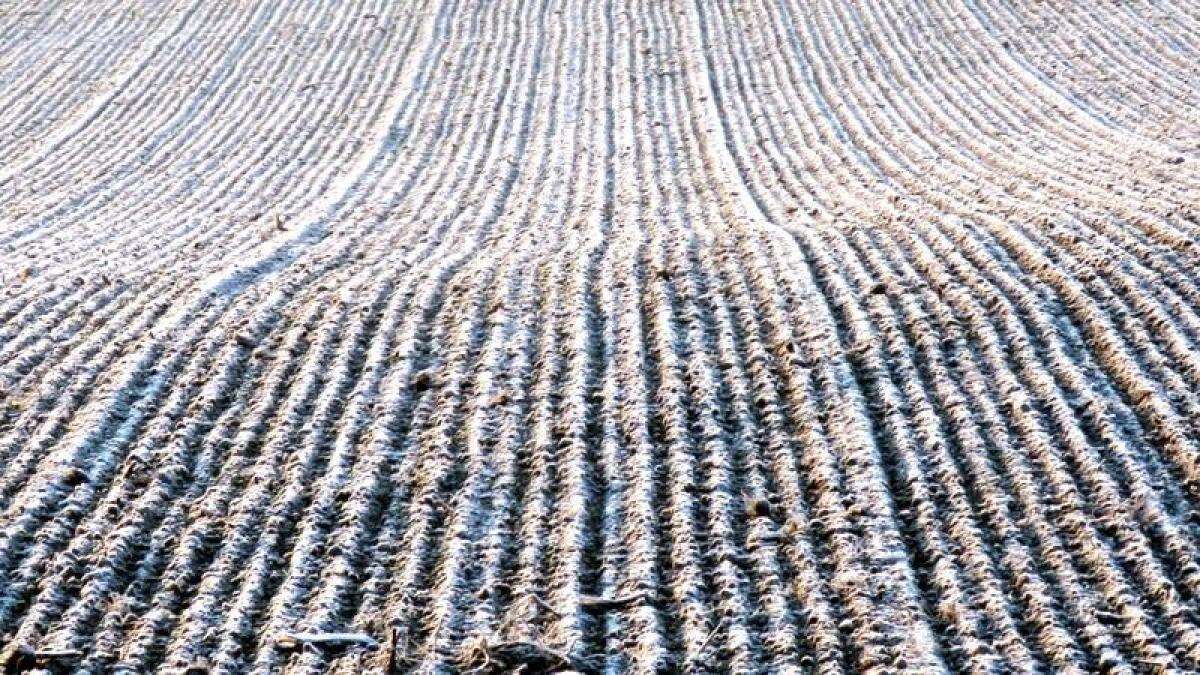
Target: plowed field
x=608, y=336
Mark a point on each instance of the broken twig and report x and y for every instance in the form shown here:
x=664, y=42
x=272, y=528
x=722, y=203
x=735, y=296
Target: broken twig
x=20, y=658
x=601, y=604
x=324, y=640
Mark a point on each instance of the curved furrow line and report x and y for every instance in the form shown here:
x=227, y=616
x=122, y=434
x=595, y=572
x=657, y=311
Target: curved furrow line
x=1112, y=502
x=83, y=119
x=824, y=397
x=1109, y=52
x=232, y=515
x=1047, y=334
x=709, y=425
x=431, y=302
x=388, y=525
x=546, y=578
x=211, y=398
x=881, y=536
x=802, y=556
x=15, y=22
x=992, y=157
x=823, y=646
x=1121, y=366
x=247, y=589
x=87, y=462
x=828, y=469
x=136, y=513
x=238, y=433
x=689, y=620
x=1153, y=333
x=247, y=155
x=801, y=553
x=961, y=243
x=433, y=503
x=1062, y=412
x=952, y=95
x=51, y=91
x=214, y=63
x=235, y=36
x=672, y=313
x=67, y=389
x=1092, y=546
x=25, y=328
x=1176, y=28
x=1016, y=469
x=951, y=598
x=36, y=97
x=960, y=377
x=556, y=171
x=131, y=386
x=1039, y=86
x=1181, y=40
x=965, y=474
x=1125, y=74
x=250, y=595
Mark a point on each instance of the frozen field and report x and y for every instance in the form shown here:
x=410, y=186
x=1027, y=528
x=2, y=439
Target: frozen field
x=600, y=335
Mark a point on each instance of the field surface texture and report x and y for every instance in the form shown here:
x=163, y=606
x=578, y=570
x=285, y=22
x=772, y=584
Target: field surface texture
x=600, y=335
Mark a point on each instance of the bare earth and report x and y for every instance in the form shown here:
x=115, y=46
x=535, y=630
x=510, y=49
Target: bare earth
x=599, y=335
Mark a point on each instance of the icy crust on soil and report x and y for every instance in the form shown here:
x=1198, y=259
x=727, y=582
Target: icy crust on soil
x=597, y=336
